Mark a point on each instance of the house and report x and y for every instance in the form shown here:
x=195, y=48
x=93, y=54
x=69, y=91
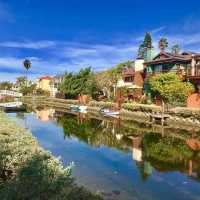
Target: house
x=186, y=64
x=44, y=83
x=132, y=79
x=54, y=84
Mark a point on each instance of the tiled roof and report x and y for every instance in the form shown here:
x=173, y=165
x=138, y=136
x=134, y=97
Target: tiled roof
x=45, y=78
x=128, y=71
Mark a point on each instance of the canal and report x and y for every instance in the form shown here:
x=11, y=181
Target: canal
x=122, y=160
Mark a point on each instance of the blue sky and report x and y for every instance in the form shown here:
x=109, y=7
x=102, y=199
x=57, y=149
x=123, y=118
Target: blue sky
x=65, y=35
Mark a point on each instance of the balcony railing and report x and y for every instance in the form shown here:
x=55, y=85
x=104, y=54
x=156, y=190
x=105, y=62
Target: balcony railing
x=186, y=73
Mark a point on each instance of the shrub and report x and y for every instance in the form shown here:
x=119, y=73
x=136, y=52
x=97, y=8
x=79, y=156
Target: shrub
x=170, y=87
x=141, y=107
x=102, y=104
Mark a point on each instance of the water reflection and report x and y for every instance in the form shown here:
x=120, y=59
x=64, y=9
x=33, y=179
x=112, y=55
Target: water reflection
x=123, y=155
x=149, y=150
x=45, y=114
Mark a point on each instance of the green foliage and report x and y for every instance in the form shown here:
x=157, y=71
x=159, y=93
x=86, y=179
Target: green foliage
x=145, y=45
x=82, y=82
x=147, y=40
x=42, y=92
x=25, y=87
x=28, y=90
x=140, y=107
x=170, y=88
x=102, y=104
x=92, y=131
x=163, y=44
x=166, y=149
x=6, y=85
x=176, y=49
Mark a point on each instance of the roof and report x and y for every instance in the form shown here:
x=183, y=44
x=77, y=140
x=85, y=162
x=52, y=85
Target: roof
x=128, y=71
x=45, y=78
x=165, y=57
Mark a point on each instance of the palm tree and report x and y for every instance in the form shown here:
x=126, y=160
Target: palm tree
x=163, y=44
x=27, y=66
x=176, y=49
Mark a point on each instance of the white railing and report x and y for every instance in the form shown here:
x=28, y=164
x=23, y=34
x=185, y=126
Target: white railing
x=11, y=104
x=10, y=93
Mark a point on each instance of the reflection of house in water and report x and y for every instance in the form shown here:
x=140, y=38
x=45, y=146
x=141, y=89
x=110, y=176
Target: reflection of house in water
x=137, y=149
x=193, y=144
x=46, y=114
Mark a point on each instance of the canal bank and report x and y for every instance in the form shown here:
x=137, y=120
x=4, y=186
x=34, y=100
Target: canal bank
x=178, y=117
x=27, y=171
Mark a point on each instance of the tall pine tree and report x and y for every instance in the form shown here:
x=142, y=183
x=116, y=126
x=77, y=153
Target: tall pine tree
x=145, y=45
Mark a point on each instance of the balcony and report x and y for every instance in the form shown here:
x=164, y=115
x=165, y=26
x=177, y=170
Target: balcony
x=195, y=74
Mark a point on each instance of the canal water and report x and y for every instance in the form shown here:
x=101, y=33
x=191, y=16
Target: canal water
x=122, y=160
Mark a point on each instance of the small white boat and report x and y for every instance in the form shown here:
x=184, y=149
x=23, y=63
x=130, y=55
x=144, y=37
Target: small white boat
x=108, y=112
x=82, y=108
x=78, y=108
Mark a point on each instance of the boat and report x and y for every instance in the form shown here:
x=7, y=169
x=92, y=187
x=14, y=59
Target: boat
x=78, y=108
x=109, y=113
x=82, y=108
x=74, y=107
x=12, y=107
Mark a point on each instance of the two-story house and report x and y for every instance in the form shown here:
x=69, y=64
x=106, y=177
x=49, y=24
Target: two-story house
x=186, y=64
x=132, y=79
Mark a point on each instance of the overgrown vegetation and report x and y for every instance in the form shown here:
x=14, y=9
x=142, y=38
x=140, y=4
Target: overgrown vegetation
x=82, y=82
x=29, y=172
x=170, y=88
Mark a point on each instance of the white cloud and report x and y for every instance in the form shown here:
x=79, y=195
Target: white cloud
x=61, y=56
x=157, y=30
x=29, y=44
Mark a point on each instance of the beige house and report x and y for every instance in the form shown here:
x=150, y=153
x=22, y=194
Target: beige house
x=44, y=83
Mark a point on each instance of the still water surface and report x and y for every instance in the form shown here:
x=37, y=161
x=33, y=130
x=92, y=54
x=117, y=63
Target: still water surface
x=121, y=160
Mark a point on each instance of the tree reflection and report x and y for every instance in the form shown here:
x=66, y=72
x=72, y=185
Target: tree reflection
x=149, y=150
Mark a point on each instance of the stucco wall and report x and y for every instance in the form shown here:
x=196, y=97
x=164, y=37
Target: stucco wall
x=139, y=65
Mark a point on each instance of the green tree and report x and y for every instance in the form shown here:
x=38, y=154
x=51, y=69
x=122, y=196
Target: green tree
x=147, y=40
x=6, y=85
x=145, y=45
x=163, y=44
x=141, y=51
x=78, y=83
x=24, y=86
x=170, y=88
x=176, y=49
x=27, y=66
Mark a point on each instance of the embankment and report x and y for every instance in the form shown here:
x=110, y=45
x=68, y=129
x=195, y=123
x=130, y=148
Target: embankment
x=179, y=116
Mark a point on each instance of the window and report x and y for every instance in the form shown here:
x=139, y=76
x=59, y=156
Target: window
x=128, y=79
x=158, y=68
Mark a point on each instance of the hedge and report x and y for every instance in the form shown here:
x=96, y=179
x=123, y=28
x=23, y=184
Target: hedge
x=102, y=104
x=141, y=107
